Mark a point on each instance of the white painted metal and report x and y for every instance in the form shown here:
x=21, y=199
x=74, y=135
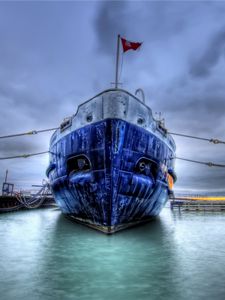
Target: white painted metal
x=118, y=104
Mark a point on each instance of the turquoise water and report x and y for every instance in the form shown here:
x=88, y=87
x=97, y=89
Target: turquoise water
x=177, y=256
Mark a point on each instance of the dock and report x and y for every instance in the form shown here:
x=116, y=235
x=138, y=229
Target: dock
x=198, y=203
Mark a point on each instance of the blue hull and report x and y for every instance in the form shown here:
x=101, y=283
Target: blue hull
x=109, y=174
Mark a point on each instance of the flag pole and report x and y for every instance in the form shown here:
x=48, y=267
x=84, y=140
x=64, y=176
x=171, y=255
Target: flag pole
x=117, y=60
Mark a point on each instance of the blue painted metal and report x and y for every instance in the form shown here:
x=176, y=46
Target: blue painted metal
x=110, y=174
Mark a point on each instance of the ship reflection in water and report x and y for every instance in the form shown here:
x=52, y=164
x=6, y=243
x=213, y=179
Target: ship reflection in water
x=176, y=256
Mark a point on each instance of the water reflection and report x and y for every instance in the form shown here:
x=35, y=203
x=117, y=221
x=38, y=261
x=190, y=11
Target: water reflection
x=132, y=264
x=176, y=256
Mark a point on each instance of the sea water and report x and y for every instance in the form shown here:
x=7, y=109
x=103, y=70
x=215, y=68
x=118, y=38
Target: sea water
x=43, y=255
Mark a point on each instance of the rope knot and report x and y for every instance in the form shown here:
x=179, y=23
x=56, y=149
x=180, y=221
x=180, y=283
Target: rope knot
x=215, y=141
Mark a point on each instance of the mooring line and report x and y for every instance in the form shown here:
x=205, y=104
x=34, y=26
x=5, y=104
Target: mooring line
x=32, y=132
x=214, y=141
x=24, y=155
x=209, y=164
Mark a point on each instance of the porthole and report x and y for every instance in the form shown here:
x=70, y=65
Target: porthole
x=89, y=118
x=140, y=121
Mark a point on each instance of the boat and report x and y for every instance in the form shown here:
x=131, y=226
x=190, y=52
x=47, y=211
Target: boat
x=112, y=163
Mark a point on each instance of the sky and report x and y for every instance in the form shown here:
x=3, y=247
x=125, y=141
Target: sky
x=55, y=55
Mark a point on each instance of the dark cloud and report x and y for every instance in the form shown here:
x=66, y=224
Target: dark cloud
x=156, y=20
x=111, y=20
x=203, y=65
x=150, y=21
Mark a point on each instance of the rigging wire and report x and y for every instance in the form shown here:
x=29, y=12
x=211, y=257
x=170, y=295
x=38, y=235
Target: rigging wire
x=214, y=141
x=32, y=132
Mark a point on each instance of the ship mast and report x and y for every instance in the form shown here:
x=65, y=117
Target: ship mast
x=117, y=60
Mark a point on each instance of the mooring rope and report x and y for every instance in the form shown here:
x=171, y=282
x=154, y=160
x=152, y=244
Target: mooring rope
x=209, y=164
x=214, y=141
x=32, y=132
x=34, y=201
x=24, y=155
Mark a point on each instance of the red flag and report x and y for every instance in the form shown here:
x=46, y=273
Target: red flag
x=127, y=45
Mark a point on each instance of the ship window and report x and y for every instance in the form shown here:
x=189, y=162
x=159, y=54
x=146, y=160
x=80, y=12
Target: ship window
x=140, y=121
x=79, y=163
x=89, y=118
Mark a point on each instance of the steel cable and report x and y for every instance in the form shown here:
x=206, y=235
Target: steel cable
x=32, y=132
x=209, y=164
x=214, y=141
x=24, y=155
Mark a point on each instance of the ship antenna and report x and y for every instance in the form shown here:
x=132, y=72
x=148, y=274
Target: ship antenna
x=117, y=60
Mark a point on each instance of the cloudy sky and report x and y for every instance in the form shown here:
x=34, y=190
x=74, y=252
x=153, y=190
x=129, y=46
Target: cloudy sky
x=55, y=55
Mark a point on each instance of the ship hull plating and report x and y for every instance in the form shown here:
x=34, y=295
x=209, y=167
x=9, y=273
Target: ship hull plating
x=110, y=175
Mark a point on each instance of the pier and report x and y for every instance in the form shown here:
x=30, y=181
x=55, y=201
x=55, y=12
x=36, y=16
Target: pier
x=197, y=203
